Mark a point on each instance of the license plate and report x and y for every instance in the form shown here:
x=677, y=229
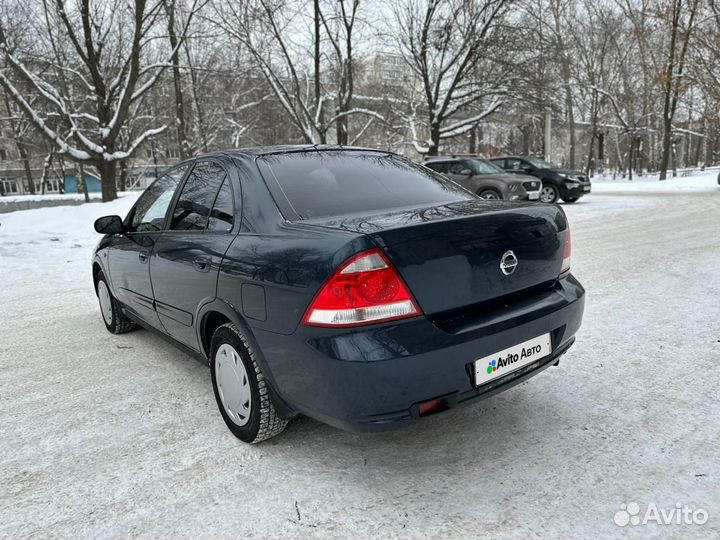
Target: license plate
x=586, y=188
x=534, y=196
x=513, y=358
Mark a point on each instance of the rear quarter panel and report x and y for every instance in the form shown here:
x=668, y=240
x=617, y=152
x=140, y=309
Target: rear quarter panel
x=272, y=278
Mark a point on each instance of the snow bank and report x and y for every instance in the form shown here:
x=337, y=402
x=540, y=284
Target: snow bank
x=706, y=181
x=48, y=197
x=55, y=243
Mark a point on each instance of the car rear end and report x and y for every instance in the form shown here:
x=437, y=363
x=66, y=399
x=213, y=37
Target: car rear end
x=439, y=305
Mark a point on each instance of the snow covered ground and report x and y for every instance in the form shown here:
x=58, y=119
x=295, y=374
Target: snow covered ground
x=106, y=436
x=706, y=181
x=49, y=197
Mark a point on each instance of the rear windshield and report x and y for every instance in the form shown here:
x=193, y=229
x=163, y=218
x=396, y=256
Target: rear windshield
x=333, y=183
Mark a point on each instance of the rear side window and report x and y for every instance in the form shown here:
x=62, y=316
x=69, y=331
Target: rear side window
x=332, y=183
x=221, y=215
x=437, y=166
x=192, y=209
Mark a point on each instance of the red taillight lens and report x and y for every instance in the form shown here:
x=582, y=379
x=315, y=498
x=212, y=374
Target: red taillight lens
x=566, y=255
x=365, y=290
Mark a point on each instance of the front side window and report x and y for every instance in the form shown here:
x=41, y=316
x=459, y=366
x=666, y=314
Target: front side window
x=192, y=209
x=151, y=208
x=515, y=164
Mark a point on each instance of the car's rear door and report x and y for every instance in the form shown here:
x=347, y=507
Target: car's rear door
x=187, y=256
x=129, y=254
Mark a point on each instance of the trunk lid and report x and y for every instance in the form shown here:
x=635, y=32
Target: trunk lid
x=450, y=255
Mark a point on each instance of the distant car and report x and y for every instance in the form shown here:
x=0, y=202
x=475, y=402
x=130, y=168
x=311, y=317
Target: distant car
x=557, y=183
x=350, y=285
x=486, y=180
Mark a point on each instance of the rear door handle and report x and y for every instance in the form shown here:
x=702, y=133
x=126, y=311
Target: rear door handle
x=143, y=256
x=201, y=264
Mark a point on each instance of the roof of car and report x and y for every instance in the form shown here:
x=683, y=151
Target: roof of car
x=435, y=159
x=294, y=148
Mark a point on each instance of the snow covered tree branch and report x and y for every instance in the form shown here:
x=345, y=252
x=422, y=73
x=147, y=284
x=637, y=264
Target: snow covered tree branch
x=89, y=78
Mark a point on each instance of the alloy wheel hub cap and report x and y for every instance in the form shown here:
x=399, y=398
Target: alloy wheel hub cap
x=547, y=194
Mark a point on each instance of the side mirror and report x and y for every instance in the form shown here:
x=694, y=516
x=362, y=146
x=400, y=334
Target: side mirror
x=109, y=225
x=527, y=169
x=466, y=172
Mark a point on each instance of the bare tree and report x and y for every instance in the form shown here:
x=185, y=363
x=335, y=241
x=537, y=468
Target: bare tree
x=89, y=78
x=20, y=129
x=442, y=42
x=681, y=18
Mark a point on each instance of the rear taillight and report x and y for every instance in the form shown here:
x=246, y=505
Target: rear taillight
x=566, y=255
x=366, y=289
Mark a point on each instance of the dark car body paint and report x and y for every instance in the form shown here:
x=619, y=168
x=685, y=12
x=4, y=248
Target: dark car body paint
x=266, y=271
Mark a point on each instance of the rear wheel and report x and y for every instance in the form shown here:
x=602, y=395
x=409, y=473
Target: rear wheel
x=570, y=200
x=489, y=194
x=240, y=388
x=549, y=194
x=113, y=317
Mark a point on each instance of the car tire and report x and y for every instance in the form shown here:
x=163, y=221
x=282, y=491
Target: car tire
x=571, y=200
x=113, y=317
x=489, y=194
x=549, y=194
x=241, y=391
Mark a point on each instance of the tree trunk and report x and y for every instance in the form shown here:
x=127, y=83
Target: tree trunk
x=472, y=143
x=341, y=130
x=673, y=157
x=82, y=182
x=593, y=133
x=26, y=167
x=177, y=83
x=434, y=139
x=123, y=175
x=673, y=78
x=61, y=181
x=45, y=171
x=318, y=97
x=107, y=181
x=22, y=151
x=199, y=115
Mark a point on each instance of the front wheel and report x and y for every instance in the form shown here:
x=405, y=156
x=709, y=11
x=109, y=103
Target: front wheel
x=240, y=388
x=549, y=194
x=113, y=317
x=489, y=194
x=570, y=200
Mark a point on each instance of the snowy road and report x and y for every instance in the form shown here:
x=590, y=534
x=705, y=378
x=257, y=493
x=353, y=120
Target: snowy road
x=106, y=436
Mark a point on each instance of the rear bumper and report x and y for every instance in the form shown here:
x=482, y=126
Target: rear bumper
x=374, y=378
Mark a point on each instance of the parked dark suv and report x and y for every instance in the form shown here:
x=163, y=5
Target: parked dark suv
x=485, y=179
x=557, y=183
x=350, y=285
